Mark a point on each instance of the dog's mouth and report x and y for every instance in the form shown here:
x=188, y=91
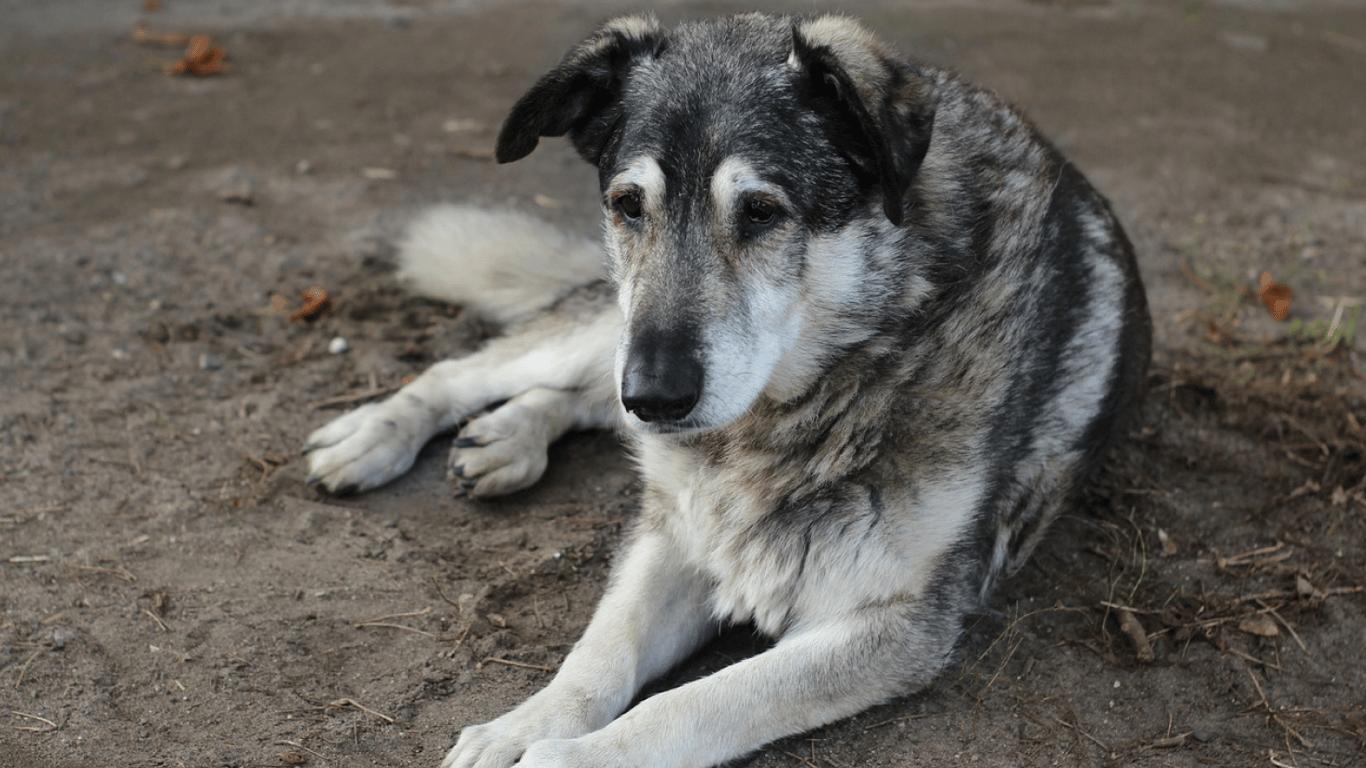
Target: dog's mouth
x=683, y=427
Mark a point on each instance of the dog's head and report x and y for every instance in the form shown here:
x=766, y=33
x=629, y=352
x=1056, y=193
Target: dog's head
x=748, y=166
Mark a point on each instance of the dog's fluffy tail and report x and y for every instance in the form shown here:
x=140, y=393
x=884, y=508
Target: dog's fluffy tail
x=503, y=265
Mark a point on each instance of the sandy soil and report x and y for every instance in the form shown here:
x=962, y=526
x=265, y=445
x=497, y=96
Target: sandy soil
x=172, y=594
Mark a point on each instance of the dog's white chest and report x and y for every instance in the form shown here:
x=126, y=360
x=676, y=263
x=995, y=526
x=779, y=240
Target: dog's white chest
x=712, y=522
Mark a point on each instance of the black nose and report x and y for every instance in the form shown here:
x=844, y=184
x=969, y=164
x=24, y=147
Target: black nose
x=662, y=379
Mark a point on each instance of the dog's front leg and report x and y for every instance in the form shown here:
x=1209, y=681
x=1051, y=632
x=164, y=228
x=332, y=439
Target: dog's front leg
x=813, y=676
x=654, y=613
x=378, y=442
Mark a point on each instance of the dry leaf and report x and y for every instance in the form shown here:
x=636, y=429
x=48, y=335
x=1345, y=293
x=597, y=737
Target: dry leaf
x=202, y=57
x=1168, y=546
x=1260, y=625
x=1276, y=297
x=315, y=302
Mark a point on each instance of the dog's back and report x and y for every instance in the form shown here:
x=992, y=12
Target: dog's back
x=1039, y=325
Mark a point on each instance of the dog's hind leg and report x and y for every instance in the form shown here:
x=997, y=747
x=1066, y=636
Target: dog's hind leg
x=570, y=351
x=505, y=450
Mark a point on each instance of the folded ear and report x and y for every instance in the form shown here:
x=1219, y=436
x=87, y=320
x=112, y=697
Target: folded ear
x=880, y=110
x=581, y=96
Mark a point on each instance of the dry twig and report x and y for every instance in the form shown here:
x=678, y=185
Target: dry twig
x=119, y=572
x=24, y=669
x=160, y=624
x=355, y=397
x=51, y=725
x=1080, y=732
x=518, y=664
x=339, y=703
x=287, y=743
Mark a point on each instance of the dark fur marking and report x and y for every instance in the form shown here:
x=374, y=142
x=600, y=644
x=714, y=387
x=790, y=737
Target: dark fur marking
x=887, y=141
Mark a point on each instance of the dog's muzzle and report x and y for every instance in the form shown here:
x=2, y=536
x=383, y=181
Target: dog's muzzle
x=662, y=378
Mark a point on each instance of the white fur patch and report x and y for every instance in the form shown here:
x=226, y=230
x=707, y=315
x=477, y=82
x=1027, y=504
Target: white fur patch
x=504, y=265
x=643, y=175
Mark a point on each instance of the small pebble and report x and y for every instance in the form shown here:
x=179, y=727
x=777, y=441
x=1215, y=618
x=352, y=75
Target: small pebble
x=1244, y=41
x=238, y=191
x=338, y=346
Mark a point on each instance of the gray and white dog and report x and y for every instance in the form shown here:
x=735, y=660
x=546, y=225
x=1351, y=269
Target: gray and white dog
x=866, y=331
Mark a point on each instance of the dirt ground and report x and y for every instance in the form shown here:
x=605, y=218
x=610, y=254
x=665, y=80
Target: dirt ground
x=173, y=594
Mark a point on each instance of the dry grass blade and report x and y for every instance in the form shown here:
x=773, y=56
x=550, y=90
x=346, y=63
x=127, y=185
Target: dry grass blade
x=387, y=625
x=339, y=703
x=1262, y=556
x=118, y=572
x=23, y=669
x=379, y=619
x=518, y=664
x=901, y=719
x=1283, y=594
x=1286, y=624
x=1253, y=659
x=801, y=760
x=1170, y=742
x=20, y=515
x=355, y=397
x=297, y=745
x=163, y=626
x=1199, y=282
x=1275, y=714
x=1082, y=733
x=51, y=725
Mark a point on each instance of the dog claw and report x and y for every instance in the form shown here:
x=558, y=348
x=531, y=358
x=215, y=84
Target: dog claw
x=467, y=442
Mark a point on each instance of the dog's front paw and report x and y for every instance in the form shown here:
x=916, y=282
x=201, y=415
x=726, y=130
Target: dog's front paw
x=501, y=744
x=500, y=452
x=554, y=716
x=365, y=448
x=560, y=753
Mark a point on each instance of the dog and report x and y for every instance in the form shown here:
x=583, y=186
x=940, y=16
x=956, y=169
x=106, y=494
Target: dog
x=865, y=330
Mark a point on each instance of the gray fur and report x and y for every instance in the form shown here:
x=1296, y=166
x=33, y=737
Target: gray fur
x=872, y=333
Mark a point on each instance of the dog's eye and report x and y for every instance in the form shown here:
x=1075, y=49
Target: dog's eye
x=628, y=205
x=760, y=212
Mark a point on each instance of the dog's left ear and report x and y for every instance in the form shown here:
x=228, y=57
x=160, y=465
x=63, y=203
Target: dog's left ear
x=581, y=96
x=881, y=111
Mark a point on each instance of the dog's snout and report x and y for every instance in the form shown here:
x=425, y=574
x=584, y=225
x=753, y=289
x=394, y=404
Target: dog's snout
x=662, y=379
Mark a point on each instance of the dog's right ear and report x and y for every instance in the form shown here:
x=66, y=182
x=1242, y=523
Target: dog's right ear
x=883, y=109
x=581, y=96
